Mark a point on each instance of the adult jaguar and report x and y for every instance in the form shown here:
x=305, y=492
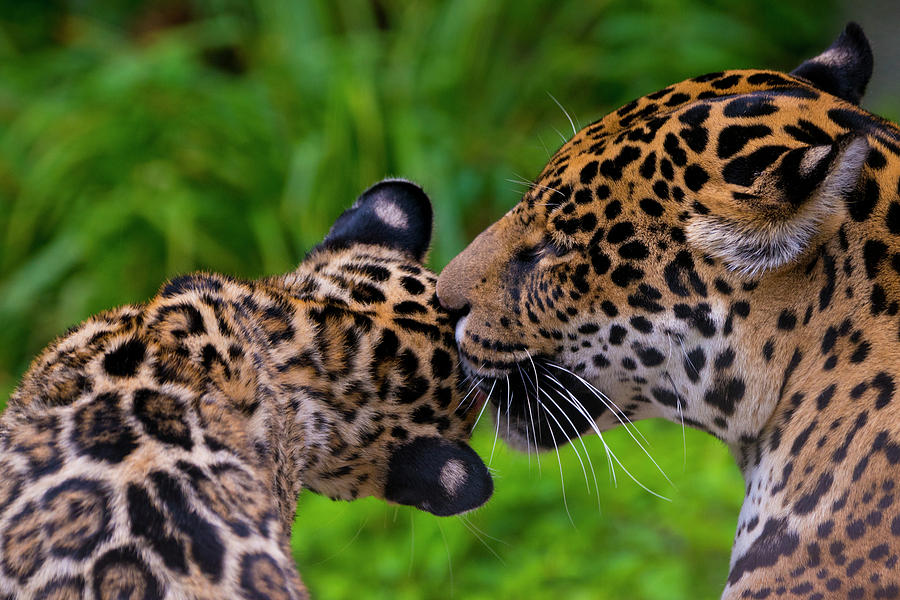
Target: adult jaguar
x=723, y=252
x=157, y=450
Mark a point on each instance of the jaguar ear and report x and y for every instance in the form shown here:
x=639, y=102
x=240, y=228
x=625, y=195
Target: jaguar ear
x=773, y=219
x=844, y=69
x=394, y=213
x=442, y=477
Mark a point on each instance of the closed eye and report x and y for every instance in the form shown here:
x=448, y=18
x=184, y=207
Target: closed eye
x=547, y=247
x=530, y=254
x=558, y=250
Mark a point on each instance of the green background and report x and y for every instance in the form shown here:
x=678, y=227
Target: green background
x=142, y=140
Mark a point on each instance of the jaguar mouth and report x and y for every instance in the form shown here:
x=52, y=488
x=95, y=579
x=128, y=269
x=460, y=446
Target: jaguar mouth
x=541, y=404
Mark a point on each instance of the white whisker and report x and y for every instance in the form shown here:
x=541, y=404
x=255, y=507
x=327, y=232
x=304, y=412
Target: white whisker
x=483, y=532
x=680, y=414
x=564, y=140
x=565, y=112
x=578, y=406
x=578, y=437
x=558, y=459
x=541, y=140
x=449, y=559
x=534, y=431
x=606, y=400
x=476, y=532
x=484, y=406
x=537, y=385
x=677, y=402
x=508, y=407
x=531, y=184
x=496, y=435
x=472, y=389
x=603, y=398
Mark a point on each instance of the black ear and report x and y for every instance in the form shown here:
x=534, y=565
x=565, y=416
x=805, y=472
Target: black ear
x=394, y=213
x=442, y=477
x=844, y=69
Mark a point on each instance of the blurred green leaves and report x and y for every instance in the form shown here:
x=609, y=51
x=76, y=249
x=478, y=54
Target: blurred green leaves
x=139, y=140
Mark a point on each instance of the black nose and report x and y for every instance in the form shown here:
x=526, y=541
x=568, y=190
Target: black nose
x=439, y=476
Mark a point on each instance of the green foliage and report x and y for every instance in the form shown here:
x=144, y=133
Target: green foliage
x=141, y=140
x=627, y=544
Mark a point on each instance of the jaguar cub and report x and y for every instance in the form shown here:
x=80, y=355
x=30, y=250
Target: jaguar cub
x=157, y=450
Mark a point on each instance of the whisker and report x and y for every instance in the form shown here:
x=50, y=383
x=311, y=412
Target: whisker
x=496, y=435
x=603, y=398
x=558, y=459
x=484, y=533
x=564, y=140
x=535, y=184
x=578, y=406
x=449, y=559
x=472, y=389
x=681, y=414
x=349, y=543
x=677, y=403
x=541, y=140
x=508, y=406
x=537, y=454
x=572, y=445
x=607, y=401
x=484, y=406
x=577, y=435
x=537, y=386
x=565, y=112
x=474, y=531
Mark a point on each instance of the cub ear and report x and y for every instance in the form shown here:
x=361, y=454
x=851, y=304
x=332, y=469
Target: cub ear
x=844, y=69
x=394, y=213
x=439, y=476
x=773, y=220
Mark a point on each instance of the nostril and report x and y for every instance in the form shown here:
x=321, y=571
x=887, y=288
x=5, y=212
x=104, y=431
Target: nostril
x=451, y=302
x=452, y=288
x=457, y=313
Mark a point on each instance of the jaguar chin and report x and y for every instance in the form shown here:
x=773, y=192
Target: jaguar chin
x=537, y=402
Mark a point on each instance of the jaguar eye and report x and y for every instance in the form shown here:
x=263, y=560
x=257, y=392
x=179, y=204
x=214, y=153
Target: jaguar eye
x=547, y=247
x=557, y=249
x=530, y=254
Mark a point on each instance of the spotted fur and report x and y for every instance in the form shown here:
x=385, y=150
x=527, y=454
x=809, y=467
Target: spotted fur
x=724, y=252
x=157, y=450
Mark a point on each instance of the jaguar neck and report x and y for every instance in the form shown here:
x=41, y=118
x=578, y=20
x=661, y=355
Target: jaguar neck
x=825, y=462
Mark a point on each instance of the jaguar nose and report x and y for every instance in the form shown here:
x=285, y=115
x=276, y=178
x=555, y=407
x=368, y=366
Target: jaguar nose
x=458, y=279
x=451, y=290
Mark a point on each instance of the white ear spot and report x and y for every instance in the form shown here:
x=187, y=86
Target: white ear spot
x=453, y=476
x=835, y=57
x=813, y=157
x=390, y=214
x=845, y=175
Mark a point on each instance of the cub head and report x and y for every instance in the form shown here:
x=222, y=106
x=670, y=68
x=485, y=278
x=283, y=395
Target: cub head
x=387, y=415
x=647, y=269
